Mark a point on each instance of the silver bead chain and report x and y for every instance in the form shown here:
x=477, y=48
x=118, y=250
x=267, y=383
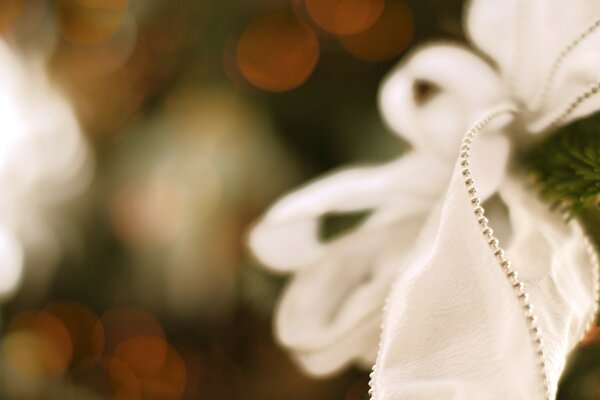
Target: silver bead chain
x=511, y=274
x=559, y=60
x=591, y=91
x=372, y=395
x=506, y=266
x=553, y=120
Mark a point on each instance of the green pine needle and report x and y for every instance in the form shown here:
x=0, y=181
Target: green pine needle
x=567, y=166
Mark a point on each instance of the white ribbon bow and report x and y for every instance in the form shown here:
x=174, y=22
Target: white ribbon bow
x=454, y=328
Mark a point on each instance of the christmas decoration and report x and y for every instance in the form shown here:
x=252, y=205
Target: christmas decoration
x=464, y=318
x=45, y=165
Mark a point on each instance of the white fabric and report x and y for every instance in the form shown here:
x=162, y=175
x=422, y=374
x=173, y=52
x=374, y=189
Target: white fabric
x=524, y=38
x=463, y=85
x=286, y=238
x=454, y=328
x=330, y=312
x=480, y=345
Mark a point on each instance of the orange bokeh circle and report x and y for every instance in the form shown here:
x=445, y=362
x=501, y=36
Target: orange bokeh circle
x=146, y=213
x=87, y=337
x=125, y=384
x=38, y=345
x=344, y=17
x=387, y=38
x=277, y=52
x=10, y=10
x=148, y=364
x=122, y=323
x=90, y=21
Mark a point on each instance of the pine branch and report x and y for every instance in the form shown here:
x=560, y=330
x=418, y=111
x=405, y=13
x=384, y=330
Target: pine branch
x=566, y=166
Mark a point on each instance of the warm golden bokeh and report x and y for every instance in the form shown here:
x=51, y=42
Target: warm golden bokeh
x=87, y=335
x=67, y=337
x=344, y=17
x=9, y=13
x=142, y=141
x=158, y=370
x=102, y=59
x=90, y=21
x=277, y=52
x=387, y=38
x=38, y=345
x=124, y=323
x=171, y=380
x=146, y=213
x=123, y=381
x=183, y=28
x=144, y=354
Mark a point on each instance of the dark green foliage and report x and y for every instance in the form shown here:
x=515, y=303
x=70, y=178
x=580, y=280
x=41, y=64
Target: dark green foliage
x=567, y=165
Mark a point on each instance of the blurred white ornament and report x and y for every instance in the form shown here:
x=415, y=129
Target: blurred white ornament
x=44, y=164
x=454, y=328
x=184, y=185
x=11, y=264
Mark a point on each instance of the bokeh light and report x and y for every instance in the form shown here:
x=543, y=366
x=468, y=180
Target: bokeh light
x=277, y=52
x=103, y=58
x=120, y=324
x=82, y=324
x=38, y=345
x=178, y=111
x=40, y=181
x=387, y=38
x=344, y=17
x=123, y=381
x=30, y=18
x=9, y=13
x=144, y=354
x=158, y=369
x=66, y=339
x=147, y=213
x=180, y=25
x=11, y=263
x=90, y=21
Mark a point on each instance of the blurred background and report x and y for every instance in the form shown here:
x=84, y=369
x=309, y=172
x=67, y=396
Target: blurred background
x=132, y=278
